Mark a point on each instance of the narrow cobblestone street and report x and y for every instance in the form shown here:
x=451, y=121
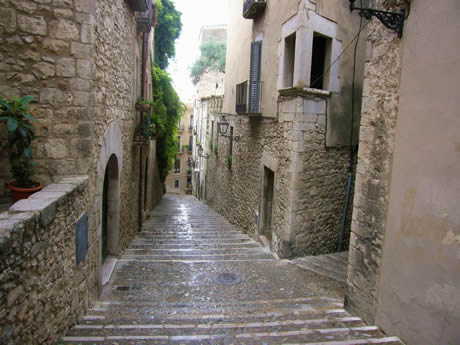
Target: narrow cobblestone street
x=167, y=289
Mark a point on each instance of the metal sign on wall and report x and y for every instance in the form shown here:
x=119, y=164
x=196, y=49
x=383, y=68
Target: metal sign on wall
x=82, y=237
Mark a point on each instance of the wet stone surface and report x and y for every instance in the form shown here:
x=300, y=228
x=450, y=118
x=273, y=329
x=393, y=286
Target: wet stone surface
x=165, y=290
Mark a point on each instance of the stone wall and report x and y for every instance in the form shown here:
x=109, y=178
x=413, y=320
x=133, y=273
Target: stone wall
x=378, y=122
x=117, y=86
x=46, y=50
x=310, y=178
x=42, y=288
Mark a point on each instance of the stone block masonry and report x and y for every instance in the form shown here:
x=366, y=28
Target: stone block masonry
x=47, y=51
x=42, y=289
x=310, y=179
x=378, y=125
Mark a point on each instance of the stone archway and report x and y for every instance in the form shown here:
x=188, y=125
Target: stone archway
x=109, y=165
x=110, y=209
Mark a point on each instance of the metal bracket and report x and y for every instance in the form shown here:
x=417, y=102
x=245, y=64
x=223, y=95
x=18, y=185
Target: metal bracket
x=392, y=20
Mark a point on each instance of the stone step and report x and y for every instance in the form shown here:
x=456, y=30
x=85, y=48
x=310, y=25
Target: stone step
x=192, y=251
x=186, y=241
x=326, y=264
x=304, y=336
x=323, y=272
x=194, y=246
x=299, y=314
x=211, y=328
x=136, y=302
x=198, y=257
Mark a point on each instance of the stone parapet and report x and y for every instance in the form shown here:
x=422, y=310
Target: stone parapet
x=42, y=288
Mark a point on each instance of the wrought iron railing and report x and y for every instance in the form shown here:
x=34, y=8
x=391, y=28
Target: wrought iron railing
x=252, y=8
x=248, y=97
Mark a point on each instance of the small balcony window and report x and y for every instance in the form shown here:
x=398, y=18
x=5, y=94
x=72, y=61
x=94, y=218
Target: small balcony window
x=144, y=19
x=242, y=97
x=253, y=8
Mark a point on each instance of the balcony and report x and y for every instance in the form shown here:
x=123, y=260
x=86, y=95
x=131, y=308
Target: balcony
x=139, y=5
x=142, y=131
x=248, y=97
x=144, y=19
x=253, y=8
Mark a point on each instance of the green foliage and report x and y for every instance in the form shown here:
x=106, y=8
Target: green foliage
x=216, y=150
x=15, y=113
x=229, y=161
x=166, y=32
x=212, y=58
x=210, y=146
x=166, y=111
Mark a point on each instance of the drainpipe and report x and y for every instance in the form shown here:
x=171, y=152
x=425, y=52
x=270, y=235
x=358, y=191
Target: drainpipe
x=143, y=89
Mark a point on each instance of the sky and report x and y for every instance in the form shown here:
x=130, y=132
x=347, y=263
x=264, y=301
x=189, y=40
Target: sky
x=195, y=14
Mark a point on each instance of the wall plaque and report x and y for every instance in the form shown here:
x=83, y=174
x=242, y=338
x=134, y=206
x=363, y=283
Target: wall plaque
x=82, y=237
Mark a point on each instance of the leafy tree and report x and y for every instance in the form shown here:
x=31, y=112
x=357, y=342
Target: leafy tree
x=166, y=111
x=167, y=31
x=212, y=58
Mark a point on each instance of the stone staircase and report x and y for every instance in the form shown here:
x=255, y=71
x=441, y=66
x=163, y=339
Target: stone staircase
x=164, y=291
x=333, y=265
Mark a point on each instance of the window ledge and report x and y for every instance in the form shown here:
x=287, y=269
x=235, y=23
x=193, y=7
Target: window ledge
x=306, y=91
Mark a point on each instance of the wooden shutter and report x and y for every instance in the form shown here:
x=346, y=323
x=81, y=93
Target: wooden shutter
x=254, y=77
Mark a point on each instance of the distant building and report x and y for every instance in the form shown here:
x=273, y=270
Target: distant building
x=179, y=179
x=209, y=94
x=288, y=99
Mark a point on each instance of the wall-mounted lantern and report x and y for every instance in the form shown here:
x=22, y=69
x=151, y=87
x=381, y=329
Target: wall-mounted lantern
x=223, y=125
x=191, y=162
x=200, y=153
x=392, y=20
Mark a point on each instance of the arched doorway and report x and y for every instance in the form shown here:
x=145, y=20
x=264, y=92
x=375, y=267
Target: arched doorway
x=110, y=208
x=107, y=201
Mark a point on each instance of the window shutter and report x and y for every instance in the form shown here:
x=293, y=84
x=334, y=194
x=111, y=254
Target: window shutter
x=254, y=77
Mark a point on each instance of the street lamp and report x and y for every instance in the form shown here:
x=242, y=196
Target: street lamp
x=200, y=153
x=392, y=20
x=190, y=162
x=223, y=125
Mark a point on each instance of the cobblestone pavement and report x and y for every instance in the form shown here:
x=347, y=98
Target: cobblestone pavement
x=167, y=288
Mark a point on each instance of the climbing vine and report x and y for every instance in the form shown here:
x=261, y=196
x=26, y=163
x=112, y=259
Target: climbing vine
x=167, y=107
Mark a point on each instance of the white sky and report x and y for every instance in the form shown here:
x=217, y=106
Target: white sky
x=195, y=14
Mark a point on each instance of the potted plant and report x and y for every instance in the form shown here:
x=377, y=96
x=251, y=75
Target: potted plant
x=15, y=113
x=143, y=105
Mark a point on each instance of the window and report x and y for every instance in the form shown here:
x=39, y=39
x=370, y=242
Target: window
x=178, y=144
x=177, y=166
x=320, y=54
x=289, y=60
x=241, y=97
x=190, y=144
x=176, y=184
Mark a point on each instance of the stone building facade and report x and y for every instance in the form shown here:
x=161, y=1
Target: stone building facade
x=286, y=180
x=404, y=255
x=179, y=179
x=84, y=62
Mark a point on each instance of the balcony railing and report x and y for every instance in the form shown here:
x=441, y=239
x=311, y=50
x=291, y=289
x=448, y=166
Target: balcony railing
x=145, y=19
x=142, y=130
x=138, y=5
x=253, y=8
x=248, y=97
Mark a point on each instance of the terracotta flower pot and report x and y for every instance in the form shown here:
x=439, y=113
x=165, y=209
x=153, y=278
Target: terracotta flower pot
x=19, y=193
